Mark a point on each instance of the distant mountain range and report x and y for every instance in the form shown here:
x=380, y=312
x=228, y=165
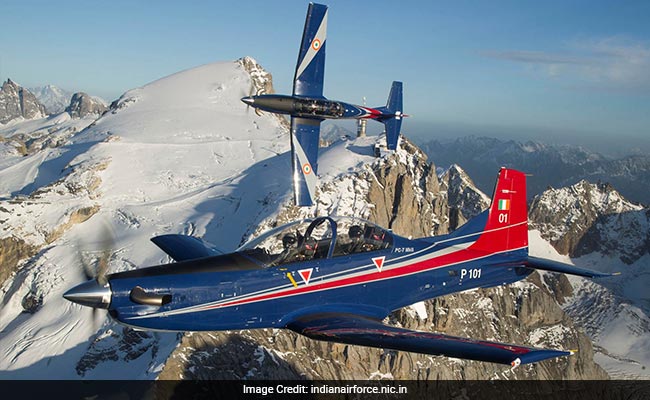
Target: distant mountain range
x=17, y=102
x=57, y=100
x=331, y=132
x=550, y=165
x=52, y=97
x=27, y=126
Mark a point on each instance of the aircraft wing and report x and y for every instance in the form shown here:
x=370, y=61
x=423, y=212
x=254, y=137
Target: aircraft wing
x=310, y=69
x=555, y=266
x=305, y=137
x=364, y=331
x=184, y=247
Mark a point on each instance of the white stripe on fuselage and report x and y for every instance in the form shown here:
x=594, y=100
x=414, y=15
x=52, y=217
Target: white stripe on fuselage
x=323, y=280
x=362, y=270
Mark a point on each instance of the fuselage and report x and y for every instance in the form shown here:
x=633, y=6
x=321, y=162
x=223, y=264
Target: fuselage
x=315, y=108
x=237, y=291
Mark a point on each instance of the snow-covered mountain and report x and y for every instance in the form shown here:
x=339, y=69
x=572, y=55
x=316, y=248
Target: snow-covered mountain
x=57, y=100
x=184, y=155
x=29, y=129
x=549, y=165
x=592, y=217
x=601, y=230
x=180, y=154
x=20, y=138
x=52, y=97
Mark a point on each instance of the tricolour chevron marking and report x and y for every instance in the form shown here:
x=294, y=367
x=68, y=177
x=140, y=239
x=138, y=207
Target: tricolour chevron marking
x=371, y=113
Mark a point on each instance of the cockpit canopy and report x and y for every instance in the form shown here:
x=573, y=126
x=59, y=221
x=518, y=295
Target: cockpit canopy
x=311, y=239
x=319, y=107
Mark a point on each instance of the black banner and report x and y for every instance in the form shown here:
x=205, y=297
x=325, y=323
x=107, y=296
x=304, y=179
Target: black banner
x=304, y=389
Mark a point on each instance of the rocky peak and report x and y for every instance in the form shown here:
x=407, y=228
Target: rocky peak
x=82, y=104
x=465, y=200
x=261, y=82
x=16, y=102
x=588, y=217
x=400, y=191
x=405, y=194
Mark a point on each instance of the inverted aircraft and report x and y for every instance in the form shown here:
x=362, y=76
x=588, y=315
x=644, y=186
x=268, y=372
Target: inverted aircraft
x=308, y=107
x=334, y=279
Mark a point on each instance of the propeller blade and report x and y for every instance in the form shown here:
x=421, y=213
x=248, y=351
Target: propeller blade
x=95, y=257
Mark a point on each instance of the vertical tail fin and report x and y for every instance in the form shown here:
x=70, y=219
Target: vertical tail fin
x=393, y=124
x=507, y=222
x=394, y=103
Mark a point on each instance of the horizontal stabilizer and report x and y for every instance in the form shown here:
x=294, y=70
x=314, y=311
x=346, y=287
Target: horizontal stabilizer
x=364, y=331
x=183, y=247
x=394, y=124
x=556, y=266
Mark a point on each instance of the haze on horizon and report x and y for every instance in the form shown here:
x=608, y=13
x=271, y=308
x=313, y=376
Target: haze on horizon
x=575, y=73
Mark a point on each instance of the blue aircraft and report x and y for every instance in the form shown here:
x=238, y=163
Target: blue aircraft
x=334, y=279
x=308, y=107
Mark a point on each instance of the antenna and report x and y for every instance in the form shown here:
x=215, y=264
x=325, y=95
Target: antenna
x=361, y=124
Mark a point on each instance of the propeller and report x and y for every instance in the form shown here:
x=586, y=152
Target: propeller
x=258, y=92
x=95, y=262
x=94, y=257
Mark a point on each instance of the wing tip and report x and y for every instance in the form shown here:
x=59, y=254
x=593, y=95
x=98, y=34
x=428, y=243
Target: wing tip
x=605, y=274
x=515, y=363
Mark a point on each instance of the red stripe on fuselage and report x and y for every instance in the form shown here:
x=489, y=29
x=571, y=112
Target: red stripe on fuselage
x=460, y=256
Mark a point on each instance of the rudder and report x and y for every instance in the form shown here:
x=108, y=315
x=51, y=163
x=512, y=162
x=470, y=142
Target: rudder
x=507, y=223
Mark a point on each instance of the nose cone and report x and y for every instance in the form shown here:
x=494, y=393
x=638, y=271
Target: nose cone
x=248, y=100
x=90, y=294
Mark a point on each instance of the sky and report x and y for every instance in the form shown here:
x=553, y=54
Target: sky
x=560, y=71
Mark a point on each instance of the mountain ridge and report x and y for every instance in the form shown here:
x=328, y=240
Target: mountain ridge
x=549, y=165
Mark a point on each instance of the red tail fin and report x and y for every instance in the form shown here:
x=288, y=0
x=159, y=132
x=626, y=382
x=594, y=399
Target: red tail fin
x=507, y=224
